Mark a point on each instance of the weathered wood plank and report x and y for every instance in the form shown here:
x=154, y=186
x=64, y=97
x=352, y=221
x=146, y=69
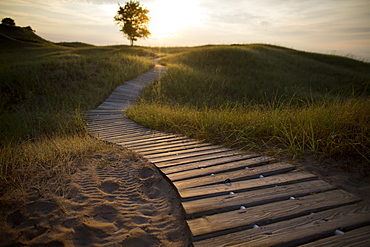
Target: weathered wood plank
x=164, y=150
x=188, y=154
x=107, y=119
x=140, y=138
x=125, y=134
x=96, y=112
x=233, y=176
x=271, y=212
x=159, y=142
x=122, y=137
x=206, y=170
x=219, y=189
x=109, y=108
x=228, y=202
x=147, y=140
x=296, y=231
x=114, y=119
x=169, y=144
x=119, y=127
x=356, y=238
x=130, y=134
x=218, y=160
x=170, y=154
x=113, y=122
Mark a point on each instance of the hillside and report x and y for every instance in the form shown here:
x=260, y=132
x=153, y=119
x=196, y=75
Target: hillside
x=11, y=34
x=262, y=72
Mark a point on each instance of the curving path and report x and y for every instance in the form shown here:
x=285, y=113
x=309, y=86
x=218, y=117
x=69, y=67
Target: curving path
x=235, y=199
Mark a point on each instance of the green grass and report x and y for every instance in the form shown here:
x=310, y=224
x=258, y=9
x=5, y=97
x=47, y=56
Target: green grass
x=45, y=89
x=258, y=96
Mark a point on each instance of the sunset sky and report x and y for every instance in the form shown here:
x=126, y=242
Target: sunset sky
x=326, y=26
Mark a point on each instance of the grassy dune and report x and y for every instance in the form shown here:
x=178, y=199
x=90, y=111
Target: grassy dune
x=258, y=96
x=249, y=96
x=45, y=90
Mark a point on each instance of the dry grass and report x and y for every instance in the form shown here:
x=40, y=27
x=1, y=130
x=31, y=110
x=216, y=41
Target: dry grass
x=45, y=165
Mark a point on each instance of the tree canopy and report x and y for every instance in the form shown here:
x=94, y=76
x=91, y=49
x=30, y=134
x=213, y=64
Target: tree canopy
x=134, y=20
x=8, y=21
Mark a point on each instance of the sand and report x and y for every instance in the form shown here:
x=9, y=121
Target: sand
x=110, y=200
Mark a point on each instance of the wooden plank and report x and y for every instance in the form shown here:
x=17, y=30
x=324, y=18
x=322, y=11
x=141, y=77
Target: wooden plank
x=355, y=238
x=233, y=176
x=95, y=122
x=97, y=112
x=165, y=142
x=187, y=155
x=146, y=140
x=179, y=147
x=112, y=103
x=206, y=157
x=113, y=118
x=271, y=212
x=170, y=154
x=109, y=108
x=168, y=144
x=116, y=137
x=120, y=127
x=117, y=120
x=101, y=113
x=219, y=189
x=129, y=135
x=120, y=138
x=228, y=202
x=196, y=164
x=108, y=124
x=206, y=170
x=296, y=231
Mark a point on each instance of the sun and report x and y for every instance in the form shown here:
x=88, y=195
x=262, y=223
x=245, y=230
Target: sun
x=167, y=17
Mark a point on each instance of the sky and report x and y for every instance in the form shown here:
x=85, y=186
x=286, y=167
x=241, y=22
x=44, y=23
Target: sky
x=340, y=27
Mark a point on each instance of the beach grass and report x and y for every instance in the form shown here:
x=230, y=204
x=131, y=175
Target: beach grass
x=255, y=97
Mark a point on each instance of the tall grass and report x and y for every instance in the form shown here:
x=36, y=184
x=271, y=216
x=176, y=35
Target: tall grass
x=332, y=129
x=45, y=91
x=256, y=96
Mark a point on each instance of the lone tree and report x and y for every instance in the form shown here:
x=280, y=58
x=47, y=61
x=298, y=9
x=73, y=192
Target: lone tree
x=133, y=19
x=8, y=21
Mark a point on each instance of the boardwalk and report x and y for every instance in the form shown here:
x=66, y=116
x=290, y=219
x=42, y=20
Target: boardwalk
x=234, y=199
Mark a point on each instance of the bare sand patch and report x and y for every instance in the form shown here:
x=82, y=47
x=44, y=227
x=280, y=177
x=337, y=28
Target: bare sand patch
x=110, y=200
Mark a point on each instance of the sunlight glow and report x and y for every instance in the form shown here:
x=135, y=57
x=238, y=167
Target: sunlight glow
x=109, y=9
x=170, y=16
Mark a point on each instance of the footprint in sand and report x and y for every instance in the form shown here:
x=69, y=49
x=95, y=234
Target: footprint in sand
x=104, y=213
x=109, y=186
x=146, y=172
x=138, y=237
